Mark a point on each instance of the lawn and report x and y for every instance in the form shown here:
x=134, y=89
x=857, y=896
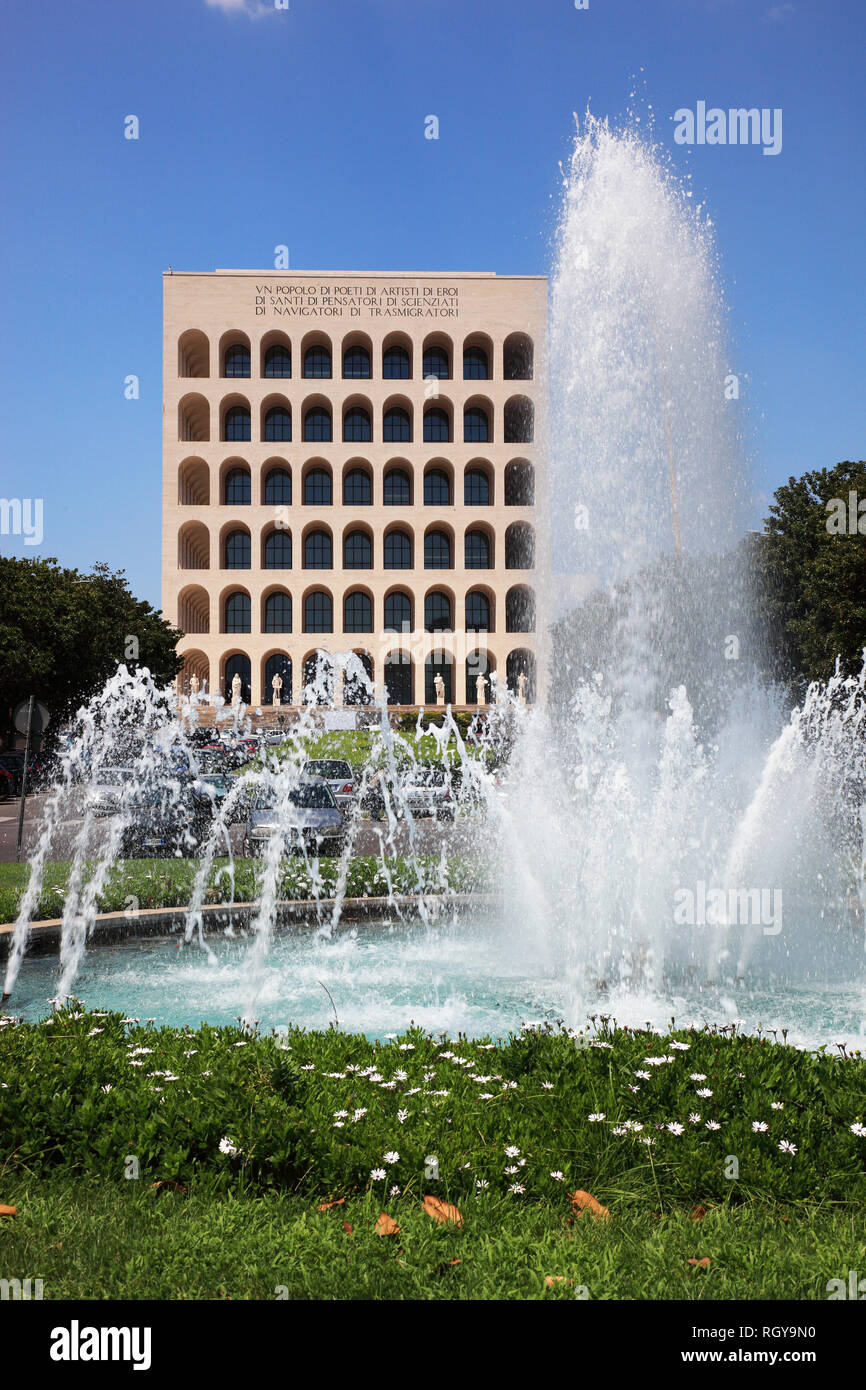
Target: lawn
x=213, y=1162
x=146, y=883
x=104, y=1241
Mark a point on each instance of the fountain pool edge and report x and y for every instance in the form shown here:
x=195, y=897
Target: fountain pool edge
x=44, y=936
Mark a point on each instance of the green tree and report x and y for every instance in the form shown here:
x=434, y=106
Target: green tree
x=62, y=634
x=812, y=575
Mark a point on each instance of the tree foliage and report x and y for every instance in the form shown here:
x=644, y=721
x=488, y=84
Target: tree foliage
x=812, y=574
x=62, y=634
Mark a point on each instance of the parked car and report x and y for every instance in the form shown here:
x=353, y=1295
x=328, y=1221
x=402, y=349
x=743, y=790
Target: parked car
x=426, y=791
x=7, y=783
x=105, y=789
x=309, y=818
x=164, y=819
x=337, y=773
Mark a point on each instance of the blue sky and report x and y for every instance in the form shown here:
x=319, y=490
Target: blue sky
x=306, y=127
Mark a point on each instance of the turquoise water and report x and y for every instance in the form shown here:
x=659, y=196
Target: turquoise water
x=382, y=977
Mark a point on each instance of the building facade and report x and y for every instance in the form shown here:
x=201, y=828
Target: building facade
x=351, y=464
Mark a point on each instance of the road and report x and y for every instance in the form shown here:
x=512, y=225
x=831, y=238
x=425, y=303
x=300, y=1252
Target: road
x=431, y=835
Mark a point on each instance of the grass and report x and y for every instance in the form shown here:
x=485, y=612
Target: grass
x=181, y=1163
x=101, y=1241
x=145, y=883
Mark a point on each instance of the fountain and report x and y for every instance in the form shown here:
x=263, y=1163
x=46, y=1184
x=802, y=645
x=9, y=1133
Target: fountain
x=672, y=838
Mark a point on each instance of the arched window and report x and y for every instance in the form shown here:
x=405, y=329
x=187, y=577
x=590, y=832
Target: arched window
x=318, y=677
x=476, y=488
x=278, y=551
x=238, y=613
x=477, y=613
x=317, y=488
x=437, y=551
x=356, y=426
x=398, y=613
x=238, y=553
x=278, y=613
x=519, y=546
x=436, y=363
x=519, y=484
x=278, y=362
x=474, y=364
x=436, y=427
x=358, y=687
x=237, y=360
x=437, y=664
x=396, y=364
x=520, y=610
x=278, y=665
x=278, y=424
x=475, y=429
x=437, y=488
x=518, y=421
x=477, y=664
x=397, y=488
x=476, y=551
x=356, y=363
x=358, y=613
x=237, y=488
x=398, y=551
x=357, y=488
x=278, y=488
x=398, y=678
x=238, y=666
x=357, y=551
x=318, y=551
x=317, y=363
x=437, y=613
x=521, y=663
x=317, y=425
x=237, y=425
x=396, y=426
x=318, y=612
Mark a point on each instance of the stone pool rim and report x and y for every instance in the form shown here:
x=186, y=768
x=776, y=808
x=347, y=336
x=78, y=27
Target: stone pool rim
x=43, y=935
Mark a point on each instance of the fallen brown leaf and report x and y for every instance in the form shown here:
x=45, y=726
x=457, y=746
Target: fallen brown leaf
x=348, y=1229
x=698, y=1213
x=703, y=1263
x=326, y=1206
x=7, y=1211
x=386, y=1226
x=556, y=1279
x=169, y=1182
x=584, y=1201
x=442, y=1211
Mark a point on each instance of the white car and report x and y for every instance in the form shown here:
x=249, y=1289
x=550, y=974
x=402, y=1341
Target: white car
x=426, y=791
x=338, y=775
x=106, y=789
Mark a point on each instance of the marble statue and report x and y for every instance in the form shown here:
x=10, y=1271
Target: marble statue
x=276, y=686
x=480, y=690
x=439, y=685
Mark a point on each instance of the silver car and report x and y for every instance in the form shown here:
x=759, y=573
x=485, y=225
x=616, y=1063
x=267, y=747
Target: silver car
x=337, y=773
x=426, y=791
x=309, y=818
x=105, y=792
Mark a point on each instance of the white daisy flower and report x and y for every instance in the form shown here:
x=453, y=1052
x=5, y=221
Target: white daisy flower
x=675, y=1127
x=760, y=1126
x=391, y=1156
x=557, y=1174
x=704, y=1092
x=786, y=1147
x=596, y=1118
x=227, y=1147
x=377, y=1174
x=713, y=1124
